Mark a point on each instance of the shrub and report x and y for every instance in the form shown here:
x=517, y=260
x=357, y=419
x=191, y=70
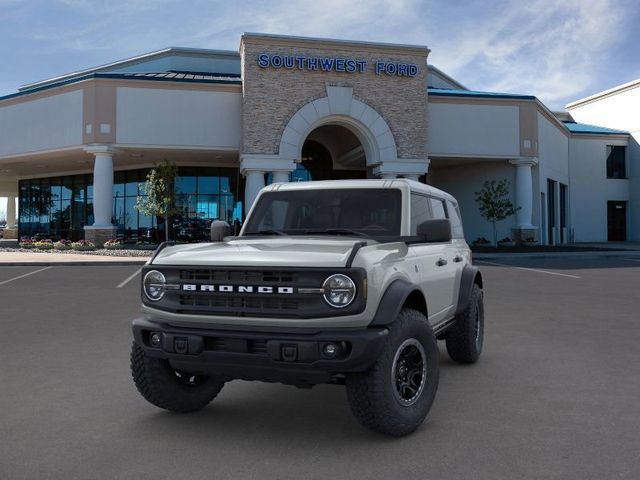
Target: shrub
x=113, y=244
x=83, y=245
x=62, y=244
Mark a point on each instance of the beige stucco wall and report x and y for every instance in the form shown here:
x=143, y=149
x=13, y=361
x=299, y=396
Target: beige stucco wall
x=272, y=96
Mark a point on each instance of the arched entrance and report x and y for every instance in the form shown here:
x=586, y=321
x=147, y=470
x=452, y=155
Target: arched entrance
x=331, y=152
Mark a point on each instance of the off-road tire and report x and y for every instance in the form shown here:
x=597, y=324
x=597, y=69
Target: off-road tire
x=372, y=394
x=465, y=338
x=166, y=388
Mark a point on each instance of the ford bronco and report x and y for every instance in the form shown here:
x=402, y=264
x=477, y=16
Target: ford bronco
x=348, y=282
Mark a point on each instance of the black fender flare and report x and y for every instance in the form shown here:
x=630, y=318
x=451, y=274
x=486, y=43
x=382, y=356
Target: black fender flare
x=470, y=276
x=392, y=301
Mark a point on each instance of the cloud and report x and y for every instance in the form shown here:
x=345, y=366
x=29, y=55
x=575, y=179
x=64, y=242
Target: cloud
x=546, y=48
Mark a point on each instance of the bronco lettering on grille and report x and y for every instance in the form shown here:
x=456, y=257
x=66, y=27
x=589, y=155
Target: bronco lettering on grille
x=192, y=287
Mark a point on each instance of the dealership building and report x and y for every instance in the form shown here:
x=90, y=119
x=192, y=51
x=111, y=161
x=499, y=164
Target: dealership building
x=75, y=148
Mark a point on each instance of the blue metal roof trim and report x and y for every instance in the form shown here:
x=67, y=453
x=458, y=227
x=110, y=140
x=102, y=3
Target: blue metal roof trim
x=575, y=127
x=449, y=92
x=160, y=77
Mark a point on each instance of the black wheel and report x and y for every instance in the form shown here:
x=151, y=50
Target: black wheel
x=168, y=388
x=465, y=338
x=396, y=393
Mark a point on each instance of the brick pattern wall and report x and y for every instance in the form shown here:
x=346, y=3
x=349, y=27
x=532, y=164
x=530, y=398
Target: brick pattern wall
x=271, y=96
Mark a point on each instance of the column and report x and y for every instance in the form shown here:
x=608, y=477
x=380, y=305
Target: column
x=524, y=228
x=254, y=166
x=11, y=212
x=254, y=183
x=102, y=228
x=410, y=168
x=280, y=176
x=524, y=191
x=10, y=232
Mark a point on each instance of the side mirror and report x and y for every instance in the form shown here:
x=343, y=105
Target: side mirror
x=437, y=230
x=219, y=230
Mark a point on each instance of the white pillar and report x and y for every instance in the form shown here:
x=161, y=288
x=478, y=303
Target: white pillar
x=103, y=189
x=280, y=176
x=255, y=183
x=402, y=167
x=11, y=211
x=524, y=191
x=102, y=229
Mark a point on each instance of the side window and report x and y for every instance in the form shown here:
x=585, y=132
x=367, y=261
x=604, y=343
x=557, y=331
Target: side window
x=437, y=206
x=456, y=221
x=420, y=211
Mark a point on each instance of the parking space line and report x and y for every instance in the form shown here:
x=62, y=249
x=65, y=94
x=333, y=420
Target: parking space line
x=129, y=278
x=529, y=269
x=25, y=275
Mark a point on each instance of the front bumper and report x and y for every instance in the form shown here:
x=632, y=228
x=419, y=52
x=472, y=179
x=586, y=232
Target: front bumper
x=294, y=358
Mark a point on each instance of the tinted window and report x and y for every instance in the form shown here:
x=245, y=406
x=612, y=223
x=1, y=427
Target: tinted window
x=456, y=221
x=616, y=167
x=373, y=212
x=437, y=207
x=420, y=211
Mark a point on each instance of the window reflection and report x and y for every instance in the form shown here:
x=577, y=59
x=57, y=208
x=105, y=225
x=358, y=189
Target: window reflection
x=60, y=207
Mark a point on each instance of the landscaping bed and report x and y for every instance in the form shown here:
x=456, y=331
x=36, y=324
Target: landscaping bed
x=120, y=252
x=540, y=248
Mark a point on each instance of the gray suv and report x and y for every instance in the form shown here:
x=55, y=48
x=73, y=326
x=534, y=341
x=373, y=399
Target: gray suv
x=344, y=282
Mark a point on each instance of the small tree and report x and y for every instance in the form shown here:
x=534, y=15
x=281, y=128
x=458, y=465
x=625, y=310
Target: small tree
x=159, y=193
x=494, y=204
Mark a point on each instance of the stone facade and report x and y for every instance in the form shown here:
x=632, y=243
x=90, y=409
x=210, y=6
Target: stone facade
x=272, y=96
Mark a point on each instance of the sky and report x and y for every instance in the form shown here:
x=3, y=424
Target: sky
x=557, y=50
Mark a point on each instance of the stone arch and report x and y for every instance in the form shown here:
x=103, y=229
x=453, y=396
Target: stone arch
x=340, y=108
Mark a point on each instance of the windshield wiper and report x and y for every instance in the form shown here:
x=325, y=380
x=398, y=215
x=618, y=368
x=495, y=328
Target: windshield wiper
x=267, y=232
x=336, y=231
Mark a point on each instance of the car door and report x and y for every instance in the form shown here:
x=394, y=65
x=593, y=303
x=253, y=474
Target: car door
x=459, y=245
x=447, y=264
x=433, y=262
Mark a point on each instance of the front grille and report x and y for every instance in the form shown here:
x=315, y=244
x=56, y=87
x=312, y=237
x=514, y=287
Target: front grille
x=240, y=276
x=236, y=292
x=247, y=304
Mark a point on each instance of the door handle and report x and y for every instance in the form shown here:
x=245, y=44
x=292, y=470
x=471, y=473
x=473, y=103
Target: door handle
x=457, y=259
x=441, y=262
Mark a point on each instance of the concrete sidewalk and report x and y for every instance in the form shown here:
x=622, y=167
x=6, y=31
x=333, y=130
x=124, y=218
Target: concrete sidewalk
x=576, y=254
x=44, y=259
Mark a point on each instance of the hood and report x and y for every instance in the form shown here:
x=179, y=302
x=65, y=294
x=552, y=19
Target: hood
x=291, y=251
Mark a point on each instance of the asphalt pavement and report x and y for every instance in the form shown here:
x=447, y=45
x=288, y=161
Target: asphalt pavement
x=554, y=396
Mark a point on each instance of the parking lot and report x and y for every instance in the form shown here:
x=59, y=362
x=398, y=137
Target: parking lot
x=555, y=394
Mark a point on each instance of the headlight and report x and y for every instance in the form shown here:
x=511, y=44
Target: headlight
x=153, y=285
x=339, y=290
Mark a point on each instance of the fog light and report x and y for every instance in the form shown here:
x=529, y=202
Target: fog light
x=155, y=339
x=330, y=350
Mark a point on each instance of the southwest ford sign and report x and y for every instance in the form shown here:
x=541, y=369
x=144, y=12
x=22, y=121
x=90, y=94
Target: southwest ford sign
x=329, y=64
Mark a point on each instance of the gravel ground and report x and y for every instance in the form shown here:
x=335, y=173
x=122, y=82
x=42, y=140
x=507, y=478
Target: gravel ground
x=102, y=251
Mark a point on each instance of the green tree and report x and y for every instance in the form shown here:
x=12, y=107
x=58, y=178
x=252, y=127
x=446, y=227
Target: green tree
x=158, y=194
x=494, y=204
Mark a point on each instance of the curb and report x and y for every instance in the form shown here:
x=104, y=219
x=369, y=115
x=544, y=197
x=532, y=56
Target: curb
x=614, y=253
x=80, y=263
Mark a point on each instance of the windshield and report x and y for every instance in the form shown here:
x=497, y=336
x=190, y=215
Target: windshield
x=370, y=212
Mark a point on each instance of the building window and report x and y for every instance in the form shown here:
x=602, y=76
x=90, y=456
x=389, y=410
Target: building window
x=60, y=207
x=616, y=161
